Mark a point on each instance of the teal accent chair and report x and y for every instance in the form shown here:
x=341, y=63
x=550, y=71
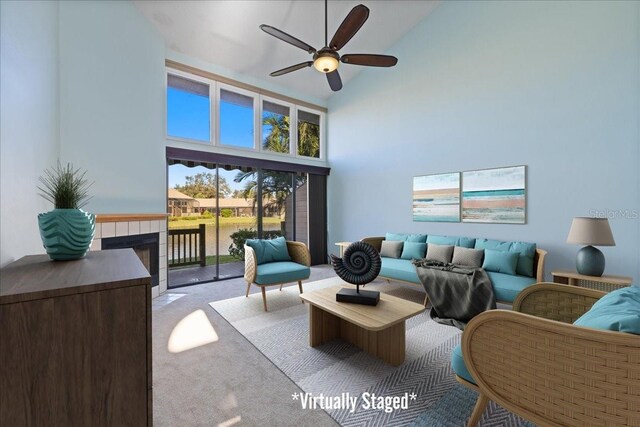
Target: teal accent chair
x=278, y=272
x=535, y=362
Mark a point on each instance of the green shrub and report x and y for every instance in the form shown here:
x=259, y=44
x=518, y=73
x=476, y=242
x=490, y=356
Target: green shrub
x=190, y=218
x=206, y=215
x=173, y=218
x=226, y=213
x=236, y=249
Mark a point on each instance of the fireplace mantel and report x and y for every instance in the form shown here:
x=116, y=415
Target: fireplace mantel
x=123, y=217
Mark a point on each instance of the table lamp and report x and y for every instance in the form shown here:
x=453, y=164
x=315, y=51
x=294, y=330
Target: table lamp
x=591, y=232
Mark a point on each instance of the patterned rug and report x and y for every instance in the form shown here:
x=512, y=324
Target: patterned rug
x=426, y=390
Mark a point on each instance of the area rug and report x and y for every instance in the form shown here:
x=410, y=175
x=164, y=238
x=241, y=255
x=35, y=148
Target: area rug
x=335, y=373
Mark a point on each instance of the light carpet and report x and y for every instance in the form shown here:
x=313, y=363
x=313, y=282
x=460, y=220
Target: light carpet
x=338, y=367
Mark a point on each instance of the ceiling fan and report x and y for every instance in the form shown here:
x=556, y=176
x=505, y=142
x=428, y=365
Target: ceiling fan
x=327, y=59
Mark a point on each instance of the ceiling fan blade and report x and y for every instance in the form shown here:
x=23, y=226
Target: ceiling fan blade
x=286, y=38
x=349, y=27
x=335, y=82
x=291, y=68
x=369, y=60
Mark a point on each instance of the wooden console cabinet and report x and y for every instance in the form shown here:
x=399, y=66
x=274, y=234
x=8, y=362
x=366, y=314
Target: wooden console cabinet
x=75, y=341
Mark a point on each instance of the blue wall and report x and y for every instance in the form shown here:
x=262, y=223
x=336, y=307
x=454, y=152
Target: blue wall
x=29, y=136
x=552, y=85
x=112, y=89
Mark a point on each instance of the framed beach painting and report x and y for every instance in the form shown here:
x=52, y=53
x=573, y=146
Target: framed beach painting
x=494, y=195
x=437, y=197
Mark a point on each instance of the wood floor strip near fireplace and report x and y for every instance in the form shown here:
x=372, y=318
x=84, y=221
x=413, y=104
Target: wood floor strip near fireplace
x=129, y=217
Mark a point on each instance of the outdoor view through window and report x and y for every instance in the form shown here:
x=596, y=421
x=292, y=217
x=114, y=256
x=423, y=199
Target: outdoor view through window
x=214, y=209
x=210, y=217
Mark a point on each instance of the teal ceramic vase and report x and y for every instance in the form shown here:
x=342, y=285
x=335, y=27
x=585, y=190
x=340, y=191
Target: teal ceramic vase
x=66, y=233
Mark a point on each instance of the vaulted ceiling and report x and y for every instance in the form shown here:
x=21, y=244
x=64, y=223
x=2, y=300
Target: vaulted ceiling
x=227, y=34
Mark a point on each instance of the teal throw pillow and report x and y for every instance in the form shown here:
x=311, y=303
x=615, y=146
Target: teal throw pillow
x=273, y=250
x=617, y=311
x=500, y=261
x=413, y=250
x=496, y=245
x=527, y=253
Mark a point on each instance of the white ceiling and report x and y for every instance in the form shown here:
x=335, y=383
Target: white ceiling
x=226, y=33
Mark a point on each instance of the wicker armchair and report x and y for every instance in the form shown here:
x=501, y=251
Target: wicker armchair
x=277, y=273
x=535, y=363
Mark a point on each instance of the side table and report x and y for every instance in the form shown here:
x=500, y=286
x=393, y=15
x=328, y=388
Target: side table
x=343, y=246
x=602, y=283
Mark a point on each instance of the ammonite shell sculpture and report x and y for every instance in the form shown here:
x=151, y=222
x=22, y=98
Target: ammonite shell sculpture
x=359, y=265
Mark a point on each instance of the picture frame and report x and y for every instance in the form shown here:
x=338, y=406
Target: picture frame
x=494, y=196
x=436, y=197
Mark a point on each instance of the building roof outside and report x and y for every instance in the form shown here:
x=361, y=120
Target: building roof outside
x=231, y=202
x=175, y=194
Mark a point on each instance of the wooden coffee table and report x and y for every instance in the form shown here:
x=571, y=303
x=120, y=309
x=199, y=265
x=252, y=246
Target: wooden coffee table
x=378, y=330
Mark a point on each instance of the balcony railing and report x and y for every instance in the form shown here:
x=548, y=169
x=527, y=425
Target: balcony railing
x=187, y=247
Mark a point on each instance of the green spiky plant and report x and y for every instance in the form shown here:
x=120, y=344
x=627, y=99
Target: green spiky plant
x=65, y=187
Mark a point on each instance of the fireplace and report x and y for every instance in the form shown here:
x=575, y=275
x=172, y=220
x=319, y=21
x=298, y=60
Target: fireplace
x=144, y=245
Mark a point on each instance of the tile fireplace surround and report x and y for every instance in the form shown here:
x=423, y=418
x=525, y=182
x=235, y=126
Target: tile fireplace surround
x=117, y=225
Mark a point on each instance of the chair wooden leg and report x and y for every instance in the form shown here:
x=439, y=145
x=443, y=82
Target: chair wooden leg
x=248, y=287
x=478, y=410
x=300, y=285
x=264, y=298
x=426, y=299
x=281, y=285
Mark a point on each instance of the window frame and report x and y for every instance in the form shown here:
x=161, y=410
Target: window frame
x=258, y=99
x=321, y=115
x=212, y=107
x=217, y=142
x=292, y=113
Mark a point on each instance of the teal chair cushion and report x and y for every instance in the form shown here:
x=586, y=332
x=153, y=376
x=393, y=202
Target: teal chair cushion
x=507, y=287
x=526, y=253
x=500, y=261
x=458, y=365
x=402, y=237
x=617, y=311
x=400, y=269
x=281, y=272
x=413, y=250
x=269, y=250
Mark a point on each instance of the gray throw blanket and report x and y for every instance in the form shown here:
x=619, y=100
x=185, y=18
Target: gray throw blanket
x=457, y=294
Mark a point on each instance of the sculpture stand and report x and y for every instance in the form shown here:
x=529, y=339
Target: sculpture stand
x=356, y=296
x=360, y=265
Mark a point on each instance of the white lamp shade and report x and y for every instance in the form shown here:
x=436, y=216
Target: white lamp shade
x=325, y=64
x=591, y=231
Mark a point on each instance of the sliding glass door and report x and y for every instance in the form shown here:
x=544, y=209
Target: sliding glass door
x=213, y=209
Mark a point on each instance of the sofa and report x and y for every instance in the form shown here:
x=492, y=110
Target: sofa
x=507, y=284
x=565, y=356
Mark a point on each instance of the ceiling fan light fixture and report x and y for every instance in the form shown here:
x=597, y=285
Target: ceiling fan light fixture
x=326, y=63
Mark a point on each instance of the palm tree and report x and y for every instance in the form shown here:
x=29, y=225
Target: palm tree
x=308, y=139
x=277, y=186
x=278, y=138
